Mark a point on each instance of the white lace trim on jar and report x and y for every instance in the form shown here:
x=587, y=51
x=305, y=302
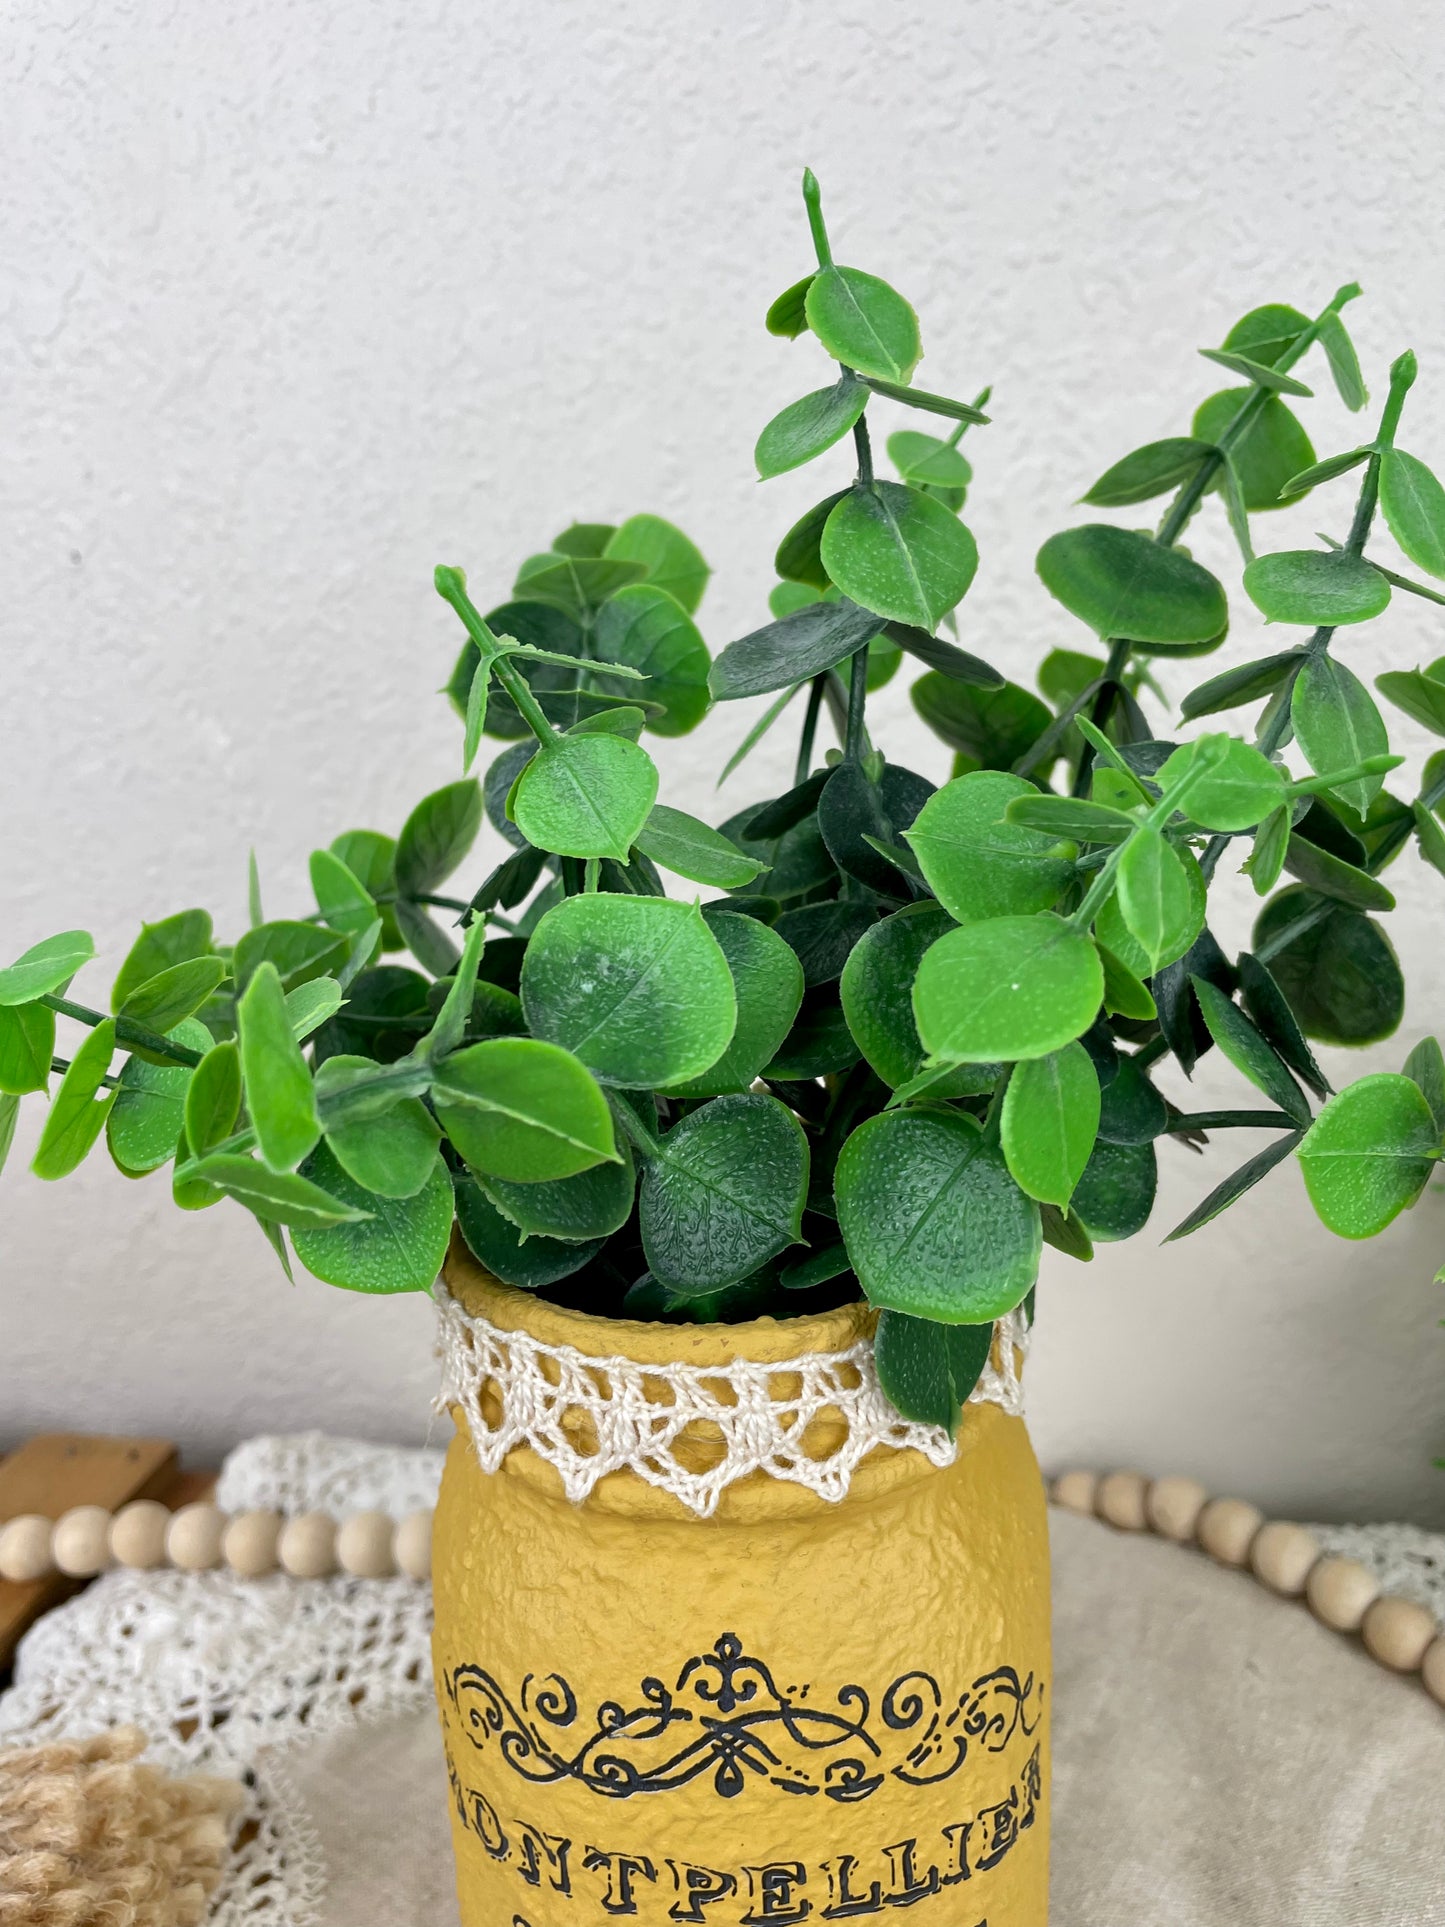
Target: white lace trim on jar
x=631, y=1417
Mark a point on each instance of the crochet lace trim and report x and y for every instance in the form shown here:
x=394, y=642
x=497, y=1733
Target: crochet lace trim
x=809, y=1421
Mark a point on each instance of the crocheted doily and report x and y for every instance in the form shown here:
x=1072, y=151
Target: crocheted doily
x=588, y=1415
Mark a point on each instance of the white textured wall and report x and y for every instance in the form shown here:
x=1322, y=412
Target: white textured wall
x=299, y=299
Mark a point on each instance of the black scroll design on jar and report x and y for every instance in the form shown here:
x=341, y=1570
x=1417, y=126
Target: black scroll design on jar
x=728, y=1715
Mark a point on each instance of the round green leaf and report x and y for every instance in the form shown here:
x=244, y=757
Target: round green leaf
x=1340, y=975
x=924, y=461
x=723, y=1192
x=644, y=627
x=1126, y=584
x=993, y=727
x=1011, y=988
x=1366, y=1158
x=1270, y=453
x=172, y=940
x=928, y=1370
x=787, y=316
x=1156, y=901
x=399, y=1247
x=213, y=1098
x=899, y=553
x=768, y=982
x=434, y=839
x=1115, y=935
x=522, y=1109
x=805, y=428
x=1232, y=785
x=863, y=323
x=1131, y=1111
x=300, y=952
x=391, y=1153
x=1419, y=692
x=1320, y=588
x=174, y=994
x=1114, y=1197
x=673, y=563
x=144, y=1123
x=27, y=1044
x=637, y=987
x=1337, y=725
x=934, y=1224
x=526, y=1262
x=1050, y=1121
x=1414, y=507
x=975, y=861
x=591, y=1205
x=799, y=557
x=877, y=993
x=585, y=796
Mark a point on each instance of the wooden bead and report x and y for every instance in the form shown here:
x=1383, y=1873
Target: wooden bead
x=25, y=1548
x=363, y=1545
x=1174, y=1506
x=412, y=1545
x=307, y=1547
x=1121, y=1499
x=1226, y=1530
x=1432, y=1670
x=1075, y=1491
x=193, y=1543
x=249, y=1542
x=81, y=1545
x=138, y=1535
x=1340, y=1592
x=1283, y=1556
x=1398, y=1633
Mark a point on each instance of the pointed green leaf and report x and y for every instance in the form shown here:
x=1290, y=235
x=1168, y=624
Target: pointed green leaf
x=804, y=429
x=1235, y=687
x=173, y=995
x=1324, y=471
x=1271, y=845
x=213, y=1098
x=1248, y=1051
x=1332, y=877
x=1414, y=507
x=929, y=1370
x=788, y=315
x=78, y=1110
x=926, y=461
x=45, y=967
x=1334, y=338
x=27, y=1044
x=680, y=843
x=1337, y=725
x=174, y=940
x=279, y=1092
x=1419, y=693
x=342, y=898
x=281, y=1196
x=436, y=837
x=976, y=861
x=300, y=952
x=1426, y=1067
x=1256, y=372
x=1152, y=470
x=1155, y=899
x=1050, y=1121
x=798, y=647
x=1235, y=1185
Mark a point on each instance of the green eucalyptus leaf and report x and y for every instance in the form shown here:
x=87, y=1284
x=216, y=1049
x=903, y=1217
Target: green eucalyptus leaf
x=78, y=1109
x=934, y=1224
x=584, y=538
x=1249, y=1052
x=949, y=660
x=298, y=952
x=1149, y=471
x=44, y=968
x=1324, y=471
x=1272, y=450
x=863, y=323
x=768, y=983
x=1232, y=786
x=1259, y=374
x=283, y=1197
x=1070, y=817
x=929, y=1370
x=174, y=940
x=876, y=990
x=1125, y=992
x=575, y=585
x=788, y=315
x=1131, y=1111
x=529, y=1263
x=1414, y=508
x=636, y=986
x=1123, y=583
x=173, y=995
x=1337, y=968
x=819, y=1268
x=1337, y=725
x=522, y=1109
x=722, y=1192
x=1050, y=1120
x=436, y=837
x=1236, y=687
x=1115, y=1195
x=1236, y=1184
x=1266, y=334
x=1334, y=878
x=27, y=1044
x=798, y=647
x=1271, y=846
x=672, y=562
x=1334, y=338
x=585, y=796
x=799, y=556
x=648, y=630
x=978, y=862
x=342, y=898
x=1268, y=1006
x=1419, y=693
x=575, y=1210
x=853, y=822
x=925, y=461
x=1428, y=834
x=146, y=1118
x=1369, y=1154
x=1155, y=899
x=960, y=411
x=1112, y=931
x=392, y=1154
x=822, y=935
x=995, y=728
x=455, y=1013
x=1426, y=1067
x=804, y=429
x=1012, y=987
x=398, y=1246
x=899, y=552
x=680, y=843
x=820, y=1043
x=213, y=1098
x=279, y=1092
x=1319, y=588
x=371, y=858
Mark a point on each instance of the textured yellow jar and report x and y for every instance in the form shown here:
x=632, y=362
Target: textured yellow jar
x=792, y=1711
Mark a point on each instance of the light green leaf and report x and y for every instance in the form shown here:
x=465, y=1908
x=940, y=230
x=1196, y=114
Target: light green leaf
x=636, y=986
x=722, y=1192
x=342, y=898
x=1319, y=588
x=1324, y=471
x=585, y=796
x=1419, y=693
x=804, y=429
x=174, y=940
x=311, y=1005
x=877, y=993
x=281, y=1196
x=978, y=863
x=645, y=628
x=1013, y=987
x=1367, y=1156
x=1272, y=450
x=934, y=1225
x=1271, y=846
x=1231, y=786
x=1334, y=338
x=788, y=316
x=1125, y=584
x=680, y=843
x=45, y=967
x=1112, y=931
x=1073, y=818
x=1414, y=507
x=523, y=1109
x=575, y=1210
x=398, y=1246
x=392, y=1154
x=863, y=323
x=1428, y=834
x=899, y=553
x=27, y=1044
x=925, y=461
x=213, y=1098
x=300, y=952
x=1337, y=725
x=77, y=1111
x=1426, y=1067
x=1050, y=1120
x=169, y=998
x=1155, y=900
x=672, y=562
x=145, y=1121
x=1333, y=877
x=1256, y=372
x=9, y=1115
x=279, y=1092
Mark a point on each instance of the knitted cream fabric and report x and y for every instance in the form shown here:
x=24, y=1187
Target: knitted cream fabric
x=89, y=1834
x=631, y=1417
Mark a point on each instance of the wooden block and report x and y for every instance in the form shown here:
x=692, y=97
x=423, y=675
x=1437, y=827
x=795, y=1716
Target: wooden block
x=56, y=1470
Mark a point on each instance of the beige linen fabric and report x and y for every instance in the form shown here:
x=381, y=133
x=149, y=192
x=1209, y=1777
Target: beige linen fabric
x=1220, y=1761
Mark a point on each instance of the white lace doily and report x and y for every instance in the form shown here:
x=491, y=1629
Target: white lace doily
x=216, y=1668
x=639, y=1418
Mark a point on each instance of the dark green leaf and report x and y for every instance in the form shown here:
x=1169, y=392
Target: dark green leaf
x=876, y=989
x=1272, y=450
x=435, y=838
x=722, y=1192
x=529, y=1263
x=788, y=315
x=27, y=1044
x=819, y=1268
x=1319, y=588
x=398, y=1246
x=929, y=1370
x=1131, y=1110
x=1249, y=1052
x=1063, y=1231
x=934, y=1224
x=1337, y=970
x=584, y=538
x=1012, y=987
x=1265, y=1002
x=898, y=552
x=804, y=429
x=959, y=411
x=1337, y=725
x=585, y=796
x=1368, y=1155
x=1123, y=583
x=645, y=628
x=536, y=625
x=1114, y=1197
x=823, y=934
x=1344, y=362
x=680, y=843
x=1332, y=878
x=863, y=323
x=9, y=1115
x=768, y=982
x=1236, y=1184
x=1431, y=838
x=790, y=651
x=46, y=967
x=1426, y=1067
x=213, y=1098
x=1235, y=687
x=799, y=557
x=636, y=986
x=1271, y=847
x=949, y=660
x=853, y=822
x=672, y=562
x=1152, y=470
x=1050, y=1121
x=995, y=727
x=431, y=946
x=1414, y=507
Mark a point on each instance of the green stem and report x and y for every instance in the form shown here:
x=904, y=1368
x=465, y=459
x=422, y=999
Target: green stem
x=1232, y=1120
x=1099, y=890
x=451, y=585
x=60, y=1065
x=865, y=452
x=980, y=402
x=126, y=1032
x=855, y=739
x=803, y=768
x=813, y=201
x=590, y=875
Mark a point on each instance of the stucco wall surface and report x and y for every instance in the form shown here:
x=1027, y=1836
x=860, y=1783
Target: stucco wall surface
x=296, y=301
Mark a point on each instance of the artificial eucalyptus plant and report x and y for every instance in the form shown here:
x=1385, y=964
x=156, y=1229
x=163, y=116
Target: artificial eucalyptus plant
x=916, y=1033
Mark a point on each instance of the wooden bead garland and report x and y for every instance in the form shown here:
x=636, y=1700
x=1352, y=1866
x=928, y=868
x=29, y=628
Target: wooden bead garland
x=88, y=1540
x=1342, y=1594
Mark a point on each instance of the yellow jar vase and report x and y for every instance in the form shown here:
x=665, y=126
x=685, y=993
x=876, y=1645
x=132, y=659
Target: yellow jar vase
x=731, y=1700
